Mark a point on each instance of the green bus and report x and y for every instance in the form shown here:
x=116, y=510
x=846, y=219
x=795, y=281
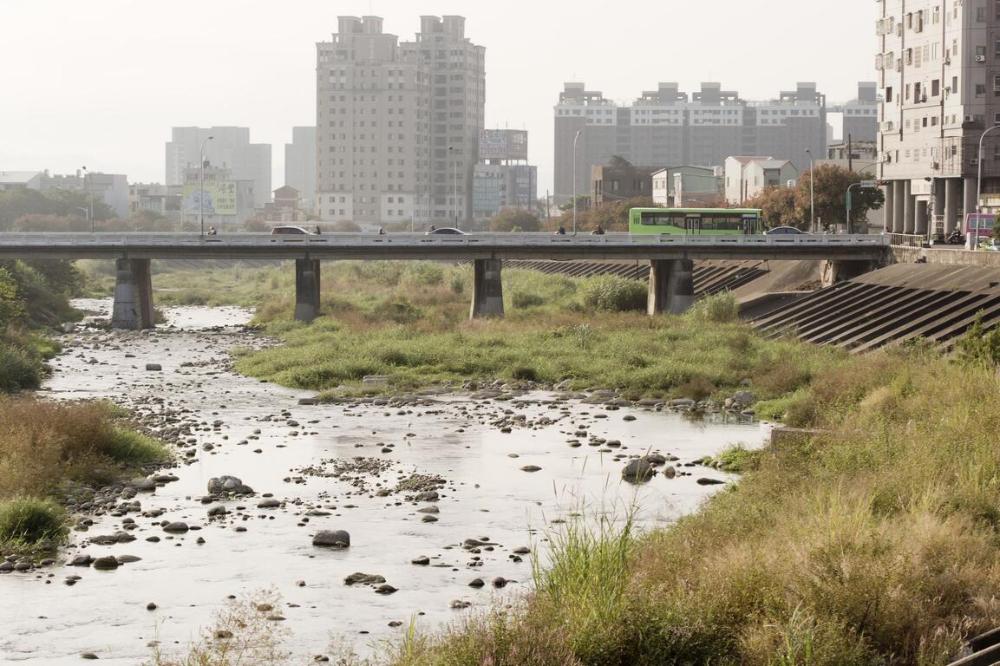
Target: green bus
x=695, y=221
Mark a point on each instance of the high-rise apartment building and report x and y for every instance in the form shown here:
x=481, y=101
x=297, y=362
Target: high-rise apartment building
x=300, y=165
x=398, y=123
x=667, y=126
x=939, y=70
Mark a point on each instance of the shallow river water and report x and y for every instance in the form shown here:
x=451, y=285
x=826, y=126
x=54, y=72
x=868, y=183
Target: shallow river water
x=261, y=434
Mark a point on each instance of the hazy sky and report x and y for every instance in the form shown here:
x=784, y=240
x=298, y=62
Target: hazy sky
x=101, y=83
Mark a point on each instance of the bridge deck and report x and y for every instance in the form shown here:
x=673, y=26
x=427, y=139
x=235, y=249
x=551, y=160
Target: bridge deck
x=440, y=247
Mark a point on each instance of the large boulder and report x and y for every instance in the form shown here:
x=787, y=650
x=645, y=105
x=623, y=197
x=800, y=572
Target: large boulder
x=638, y=470
x=228, y=485
x=332, y=539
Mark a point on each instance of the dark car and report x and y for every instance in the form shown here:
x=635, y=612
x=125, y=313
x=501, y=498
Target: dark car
x=446, y=231
x=783, y=231
x=290, y=230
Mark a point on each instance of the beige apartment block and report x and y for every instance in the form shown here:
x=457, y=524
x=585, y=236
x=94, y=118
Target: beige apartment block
x=398, y=123
x=940, y=91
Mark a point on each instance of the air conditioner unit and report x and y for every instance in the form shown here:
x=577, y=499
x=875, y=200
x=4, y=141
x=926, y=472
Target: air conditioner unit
x=980, y=58
x=974, y=161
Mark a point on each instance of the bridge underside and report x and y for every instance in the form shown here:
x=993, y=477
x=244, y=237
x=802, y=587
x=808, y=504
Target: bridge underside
x=671, y=288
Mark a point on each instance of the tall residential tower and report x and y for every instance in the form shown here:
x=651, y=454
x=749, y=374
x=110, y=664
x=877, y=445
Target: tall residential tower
x=939, y=70
x=398, y=123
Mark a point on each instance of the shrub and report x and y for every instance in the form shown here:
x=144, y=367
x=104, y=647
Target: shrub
x=524, y=373
x=614, y=294
x=19, y=369
x=525, y=299
x=27, y=521
x=719, y=308
x=43, y=444
x=978, y=347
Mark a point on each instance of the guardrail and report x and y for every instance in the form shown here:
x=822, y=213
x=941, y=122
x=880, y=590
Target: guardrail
x=907, y=240
x=540, y=240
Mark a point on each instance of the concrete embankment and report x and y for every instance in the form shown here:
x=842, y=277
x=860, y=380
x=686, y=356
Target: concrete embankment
x=937, y=302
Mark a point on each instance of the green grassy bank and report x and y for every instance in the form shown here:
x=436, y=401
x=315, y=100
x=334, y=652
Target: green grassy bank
x=875, y=543
x=410, y=323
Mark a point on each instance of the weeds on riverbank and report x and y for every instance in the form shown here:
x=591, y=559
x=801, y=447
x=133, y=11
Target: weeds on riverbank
x=876, y=542
x=45, y=445
x=27, y=522
x=410, y=323
x=246, y=632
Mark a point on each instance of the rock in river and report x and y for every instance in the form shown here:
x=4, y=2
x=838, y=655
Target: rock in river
x=176, y=527
x=106, y=563
x=332, y=539
x=638, y=470
x=228, y=485
x=364, y=579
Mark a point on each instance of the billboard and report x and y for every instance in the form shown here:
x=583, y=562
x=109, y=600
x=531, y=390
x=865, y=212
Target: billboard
x=220, y=198
x=503, y=145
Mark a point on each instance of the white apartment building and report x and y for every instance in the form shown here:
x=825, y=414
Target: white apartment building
x=748, y=176
x=398, y=123
x=940, y=83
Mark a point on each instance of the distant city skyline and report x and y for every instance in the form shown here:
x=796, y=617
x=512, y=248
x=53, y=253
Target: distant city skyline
x=138, y=69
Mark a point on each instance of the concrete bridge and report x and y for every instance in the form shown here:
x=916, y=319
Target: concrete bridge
x=671, y=258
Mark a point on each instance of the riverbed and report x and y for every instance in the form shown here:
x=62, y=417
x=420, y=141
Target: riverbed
x=508, y=473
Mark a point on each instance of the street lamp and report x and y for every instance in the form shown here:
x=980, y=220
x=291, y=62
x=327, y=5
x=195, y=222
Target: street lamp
x=979, y=186
x=865, y=185
x=576, y=140
x=90, y=197
x=812, y=191
x=201, y=194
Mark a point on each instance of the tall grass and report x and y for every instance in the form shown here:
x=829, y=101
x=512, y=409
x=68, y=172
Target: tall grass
x=411, y=324
x=875, y=543
x=25, y=522
x=43, y=444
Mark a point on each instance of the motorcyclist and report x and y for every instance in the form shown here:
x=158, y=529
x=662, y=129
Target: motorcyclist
x=561, y=231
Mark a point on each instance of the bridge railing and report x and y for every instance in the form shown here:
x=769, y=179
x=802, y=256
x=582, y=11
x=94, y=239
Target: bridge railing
x=907, y=240
x=535, y=240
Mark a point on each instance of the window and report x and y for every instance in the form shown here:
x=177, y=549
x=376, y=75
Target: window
x=996, y=84
x=935, y=88
x=980, y=90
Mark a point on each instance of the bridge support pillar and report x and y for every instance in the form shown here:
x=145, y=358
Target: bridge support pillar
x=840, y=270
x=487, y=292
x=909, y=209
x=671, y=286
x=888, y=192
x=307, y=276
x=898, y=206
x=133, y=307
x=921, y=215
x=952, y=196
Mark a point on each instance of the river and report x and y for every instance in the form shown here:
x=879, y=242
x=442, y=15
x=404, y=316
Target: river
x=260, y=433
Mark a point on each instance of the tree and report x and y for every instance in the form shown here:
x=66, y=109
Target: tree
x=515, y=220
x=778, y=207
x=832, y=182
x=783, y=206
x=15, y=204
x=612, y=216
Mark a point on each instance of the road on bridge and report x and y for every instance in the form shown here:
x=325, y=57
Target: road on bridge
x=438, y=247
